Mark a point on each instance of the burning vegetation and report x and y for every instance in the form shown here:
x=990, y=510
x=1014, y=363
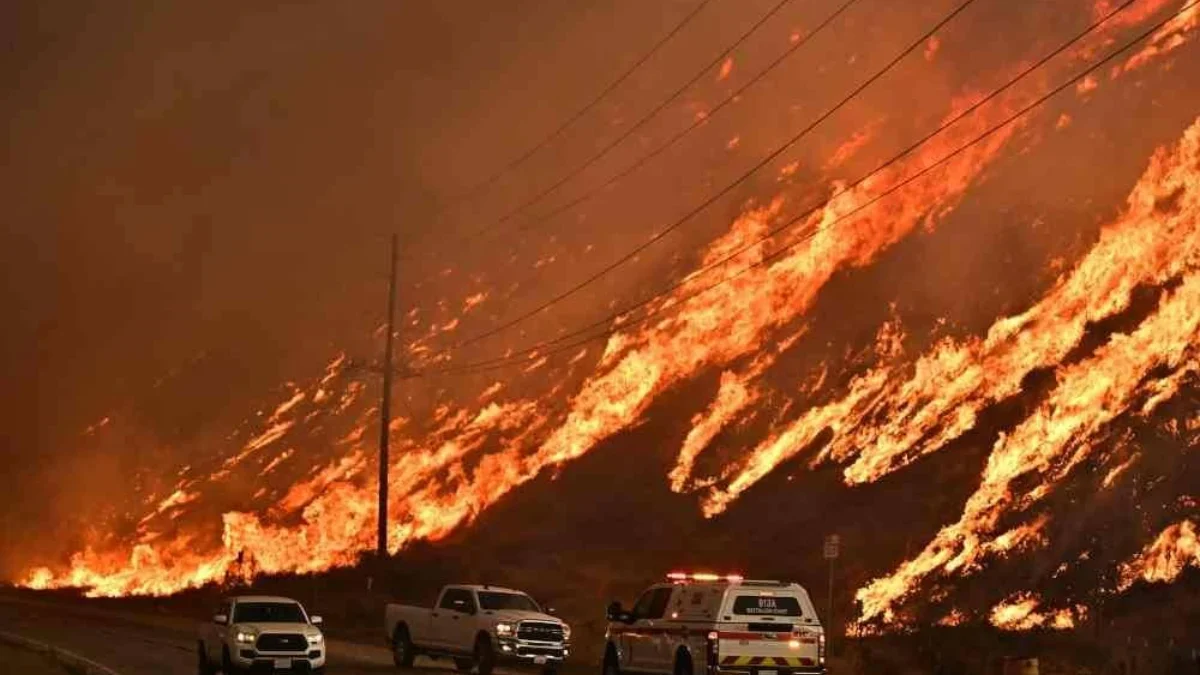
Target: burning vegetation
x=1111, y=343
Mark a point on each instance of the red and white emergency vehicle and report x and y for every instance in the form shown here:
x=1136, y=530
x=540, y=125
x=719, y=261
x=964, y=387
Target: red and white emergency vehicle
x=709, y=624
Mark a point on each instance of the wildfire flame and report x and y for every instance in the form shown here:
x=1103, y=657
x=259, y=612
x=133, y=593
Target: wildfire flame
x=467, y=456
x=1164, y=560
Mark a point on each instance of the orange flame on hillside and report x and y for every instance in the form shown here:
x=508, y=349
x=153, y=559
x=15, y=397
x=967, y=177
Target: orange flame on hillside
x=1020, y=612
x=1175, y=548
x=886, y=418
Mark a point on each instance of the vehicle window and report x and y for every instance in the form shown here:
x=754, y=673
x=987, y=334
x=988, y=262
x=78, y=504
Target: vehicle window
x=641, y=609
x=658, y=603
x=459, y=600
x=492, y=600
x=268, y=612
x=451, y=599
x=766, y=605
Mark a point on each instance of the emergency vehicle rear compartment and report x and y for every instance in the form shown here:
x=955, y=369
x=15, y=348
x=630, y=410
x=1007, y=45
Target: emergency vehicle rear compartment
x=717, y=625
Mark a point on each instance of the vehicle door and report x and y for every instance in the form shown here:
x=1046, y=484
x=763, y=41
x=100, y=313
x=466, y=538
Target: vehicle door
x=439, y=620
x=662, y=633
x=643, y=637
x=787, y=634
x=216, y=634
x=460, y=628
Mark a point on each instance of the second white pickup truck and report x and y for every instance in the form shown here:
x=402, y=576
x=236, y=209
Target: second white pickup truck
x=478, y=627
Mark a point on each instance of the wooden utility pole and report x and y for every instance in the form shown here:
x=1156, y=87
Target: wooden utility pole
x=385, y=407
x=833, y=545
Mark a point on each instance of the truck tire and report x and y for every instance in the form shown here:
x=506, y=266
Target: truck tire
x=485, y=657
x=683, y=664
x=463, y=665
x=227, y=667
x=203, y=667
x=612, y=666
x=402, y=648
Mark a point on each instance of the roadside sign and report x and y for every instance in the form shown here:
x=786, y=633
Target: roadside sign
x=833, y=545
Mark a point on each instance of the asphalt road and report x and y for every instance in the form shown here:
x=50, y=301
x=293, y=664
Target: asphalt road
x=136, y=646
x=17, y=660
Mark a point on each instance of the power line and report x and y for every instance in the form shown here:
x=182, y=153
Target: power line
x=600, y=154
x=658, y=236
x=516, y=358
x=578, y=114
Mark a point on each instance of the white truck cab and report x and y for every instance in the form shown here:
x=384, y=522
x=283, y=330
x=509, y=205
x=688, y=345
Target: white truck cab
x=262, y=633
x=708, y=624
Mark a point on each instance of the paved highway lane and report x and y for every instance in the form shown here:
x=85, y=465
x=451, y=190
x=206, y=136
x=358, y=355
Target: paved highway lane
x=150, y=646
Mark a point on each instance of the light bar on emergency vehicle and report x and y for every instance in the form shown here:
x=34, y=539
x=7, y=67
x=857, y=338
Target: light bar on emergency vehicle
x=704, y=576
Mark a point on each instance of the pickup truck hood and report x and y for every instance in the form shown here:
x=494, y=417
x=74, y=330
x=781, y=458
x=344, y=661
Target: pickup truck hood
x=515, y=615
x=301, y=628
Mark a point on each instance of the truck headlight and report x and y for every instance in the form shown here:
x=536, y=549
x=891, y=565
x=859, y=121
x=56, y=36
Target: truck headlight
x=316, y=639
x=246, y=637
x=505, y=628
x=566, y=632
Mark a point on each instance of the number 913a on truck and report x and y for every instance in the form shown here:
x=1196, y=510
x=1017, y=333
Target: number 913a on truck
x=707, y=624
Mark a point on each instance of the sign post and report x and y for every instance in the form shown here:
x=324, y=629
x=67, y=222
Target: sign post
x=833, y=544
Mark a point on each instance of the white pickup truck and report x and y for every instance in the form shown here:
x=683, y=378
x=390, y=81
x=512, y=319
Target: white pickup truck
x=261, y=633
x=478, y=627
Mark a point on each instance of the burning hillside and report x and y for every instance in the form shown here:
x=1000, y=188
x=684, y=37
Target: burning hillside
x=1082, y=391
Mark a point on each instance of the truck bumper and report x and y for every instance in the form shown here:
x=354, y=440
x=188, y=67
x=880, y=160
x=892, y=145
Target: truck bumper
x=539, y=654
x=265, y=662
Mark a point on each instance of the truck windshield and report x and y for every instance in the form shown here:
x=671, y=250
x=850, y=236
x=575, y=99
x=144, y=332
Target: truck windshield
x=766, y=605
x=490, y=600
x=268, y=612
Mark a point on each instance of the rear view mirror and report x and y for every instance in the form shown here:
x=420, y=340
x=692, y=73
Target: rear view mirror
x=551, y=611
x=220, y=619
x=316, y=620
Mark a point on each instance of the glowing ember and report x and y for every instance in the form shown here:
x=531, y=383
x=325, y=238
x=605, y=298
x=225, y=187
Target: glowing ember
x=726, y=69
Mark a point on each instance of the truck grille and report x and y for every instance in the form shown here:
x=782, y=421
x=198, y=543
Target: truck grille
x=540, y=631
x=282, y=642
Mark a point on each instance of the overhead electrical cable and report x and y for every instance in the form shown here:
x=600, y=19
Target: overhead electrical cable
x=676, y=224
x=638, y=124
x=523, y=356
x=584, y=110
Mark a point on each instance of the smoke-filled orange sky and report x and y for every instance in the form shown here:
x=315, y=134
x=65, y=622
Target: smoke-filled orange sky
x=198, y=200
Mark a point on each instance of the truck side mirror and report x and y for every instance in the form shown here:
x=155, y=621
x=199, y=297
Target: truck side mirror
x=220, y=619
x=316, y=620
x=551, y=611
x=616, y=612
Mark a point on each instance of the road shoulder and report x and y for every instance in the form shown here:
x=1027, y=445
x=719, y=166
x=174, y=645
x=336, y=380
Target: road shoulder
x=33, y=657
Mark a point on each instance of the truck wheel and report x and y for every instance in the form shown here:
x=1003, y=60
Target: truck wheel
x=203, y=667
x=485, y=658
x=227, y=667
x=611, y=665
x=683, y=664
x=463, y=665
x=402, y=648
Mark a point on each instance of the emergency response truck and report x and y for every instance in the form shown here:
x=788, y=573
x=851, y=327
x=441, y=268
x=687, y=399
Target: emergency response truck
x=708, y=624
